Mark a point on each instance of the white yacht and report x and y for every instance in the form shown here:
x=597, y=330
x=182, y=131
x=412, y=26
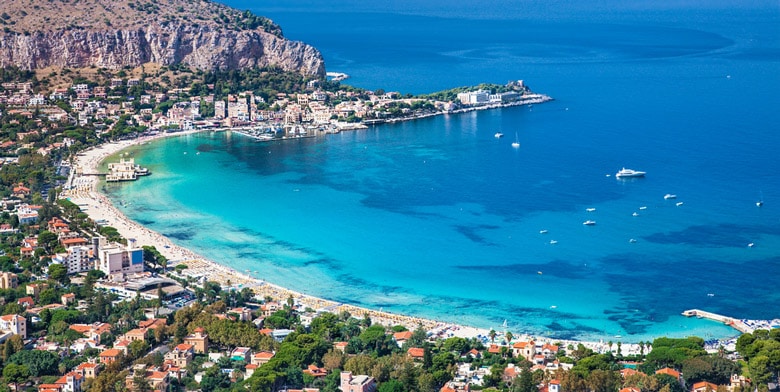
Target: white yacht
x=542, y=231
x=498, y=135
x=516, y=143
x=628, y=173
x=669, y=196
x=589, y=223
x=590, y=209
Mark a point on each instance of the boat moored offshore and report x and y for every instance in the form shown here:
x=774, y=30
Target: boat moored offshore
x=629, y=173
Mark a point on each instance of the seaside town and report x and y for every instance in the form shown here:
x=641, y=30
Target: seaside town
x=92, y=301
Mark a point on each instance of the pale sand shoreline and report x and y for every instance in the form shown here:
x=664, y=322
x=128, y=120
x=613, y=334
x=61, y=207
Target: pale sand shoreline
x=85, y=193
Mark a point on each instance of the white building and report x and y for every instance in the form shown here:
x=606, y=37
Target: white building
x=219, y=109
x=119, y=259
x=78, y=259
x=12, y=324
x=473, y=97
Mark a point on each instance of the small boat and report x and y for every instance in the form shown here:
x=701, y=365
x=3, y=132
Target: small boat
x=635, y=214
x=679, y=203
x=759, y=203
x=669, y=196
x=498, y=135
x=553, y=242
x=590, y=209
x=589, y=223
x=516, y=143
x=553, y=307
x=542, y=231
x=750, y=245
x=633, y=241
x=710, y=295
x=629, y=173
x=538, y=272
x=643, y=208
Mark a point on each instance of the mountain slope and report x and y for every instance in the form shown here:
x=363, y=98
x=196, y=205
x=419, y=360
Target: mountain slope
x=115, y=34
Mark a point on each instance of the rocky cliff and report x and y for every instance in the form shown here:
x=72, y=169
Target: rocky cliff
x=208, y=37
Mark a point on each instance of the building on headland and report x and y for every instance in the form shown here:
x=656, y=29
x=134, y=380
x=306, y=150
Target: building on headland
x=8, y=280
x=362, y=383
x=474, y=97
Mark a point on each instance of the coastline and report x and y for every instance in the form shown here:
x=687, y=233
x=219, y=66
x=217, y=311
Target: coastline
x=85, y=194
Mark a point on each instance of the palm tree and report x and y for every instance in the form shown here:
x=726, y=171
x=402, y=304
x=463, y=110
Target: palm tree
x=492, y=335
x=509, y=337
x=609, y=344
x=641, y=349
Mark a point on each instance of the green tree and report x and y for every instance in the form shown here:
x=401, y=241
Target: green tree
x=58, y=272
x=16, y=374
x=39, y=363
x=524, y=382
x=48, y=240
x=391, y=386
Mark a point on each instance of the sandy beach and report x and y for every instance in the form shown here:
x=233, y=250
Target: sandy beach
x=84, y=192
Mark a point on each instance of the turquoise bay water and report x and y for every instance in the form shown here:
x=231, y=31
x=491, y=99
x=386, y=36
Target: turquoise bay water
x=438, y=218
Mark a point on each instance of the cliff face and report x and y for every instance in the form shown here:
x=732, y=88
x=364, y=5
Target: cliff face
x=200, y=46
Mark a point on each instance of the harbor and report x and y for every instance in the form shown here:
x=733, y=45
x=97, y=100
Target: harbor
x=741, y=325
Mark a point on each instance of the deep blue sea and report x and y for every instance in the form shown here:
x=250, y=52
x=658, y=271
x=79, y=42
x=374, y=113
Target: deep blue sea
x=438, y=218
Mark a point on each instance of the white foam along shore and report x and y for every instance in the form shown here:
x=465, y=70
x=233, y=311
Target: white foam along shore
x=84, y=192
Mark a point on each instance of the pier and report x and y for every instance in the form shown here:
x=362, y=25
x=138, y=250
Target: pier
x=737, y=324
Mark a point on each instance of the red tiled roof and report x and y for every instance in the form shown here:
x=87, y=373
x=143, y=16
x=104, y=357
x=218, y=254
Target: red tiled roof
x=112, y=352
x=415, y=352
x=86, y=365
x=669, y=371
x=703, y=385
x=405, y=335
x=74, y=241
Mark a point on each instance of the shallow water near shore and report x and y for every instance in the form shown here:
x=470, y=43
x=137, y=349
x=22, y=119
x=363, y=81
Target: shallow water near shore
x=440, y=219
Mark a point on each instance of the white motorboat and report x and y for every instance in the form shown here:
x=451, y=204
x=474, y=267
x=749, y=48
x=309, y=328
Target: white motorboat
x=669, y=196
x=629, y=173
x=498, y=135
x=590, y=209
x=679, y=203
x=542, y=231
x=516, y=143
x=635, y=214
x=553, y=242
x=589, y=223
